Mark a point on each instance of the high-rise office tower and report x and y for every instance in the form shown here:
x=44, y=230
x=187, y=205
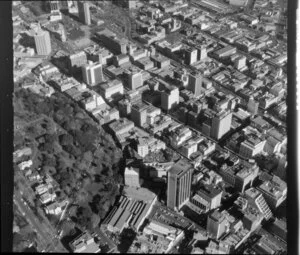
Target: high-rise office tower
x=54, y=5
x=135, y=79
x=191, y=56
x=84, y=12
x=216, y=224
x=42, y=42
x=179, y=184
x=92, y=73
x=202, y=53
x=240, y=62
x=252, y=106
x=139, y=114
x=195, y=84
x=221, y=124
x=169, y=98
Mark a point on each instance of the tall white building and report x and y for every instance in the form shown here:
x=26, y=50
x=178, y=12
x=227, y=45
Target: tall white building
x=84, y=12
x=92, y=73
x=191, y=55
x=202, y=53
x=42, y=42
x=134, y=78
x=169, y=98
x=179, y=184
x=221, y=124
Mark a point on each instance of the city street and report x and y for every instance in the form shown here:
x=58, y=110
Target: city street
x=47, y=237
x=179, y=60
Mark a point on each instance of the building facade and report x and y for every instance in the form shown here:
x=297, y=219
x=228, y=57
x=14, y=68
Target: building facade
x=92, y=73
x=221, y=124
x=42, y=42
x=216, y=224
x=84, y=12
x=139, y=114
x=195, y=84
x=179, y=184
x=169, y=98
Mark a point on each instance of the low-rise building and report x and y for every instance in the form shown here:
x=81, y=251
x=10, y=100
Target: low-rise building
x=84, y=243
x=63, y=83
x=47, y=197
x=266, y=246
x=112, y=89
x=149, y=144
x=145, y=63
x=160, y=61
x=132, y=177
x=279, y=229
x=240, y=176
x=25, y=164
x=106, y=115
x=46, y=69
x=252, y=146
x=207, y=198
x=274, y=191
x=133, y=207
x=217, y=248
x=179, y=136
x=55, y=207
x=256, y=199
x=156, y=228
x=98, y=54
x=121, y=126
x=22, y=152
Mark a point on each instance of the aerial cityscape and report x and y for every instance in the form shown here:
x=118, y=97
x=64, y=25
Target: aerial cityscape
x=150, y=126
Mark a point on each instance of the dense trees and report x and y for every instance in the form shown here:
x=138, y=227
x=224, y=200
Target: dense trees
x=80, y=156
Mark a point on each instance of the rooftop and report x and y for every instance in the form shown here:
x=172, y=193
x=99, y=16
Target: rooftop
x=84, y=243
x=210, y=191
x=180, y=167
x=140, y=106
x=119, y=124
x=275, y=187
x=113, y=83
x=217, y=216
x=139, y=194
